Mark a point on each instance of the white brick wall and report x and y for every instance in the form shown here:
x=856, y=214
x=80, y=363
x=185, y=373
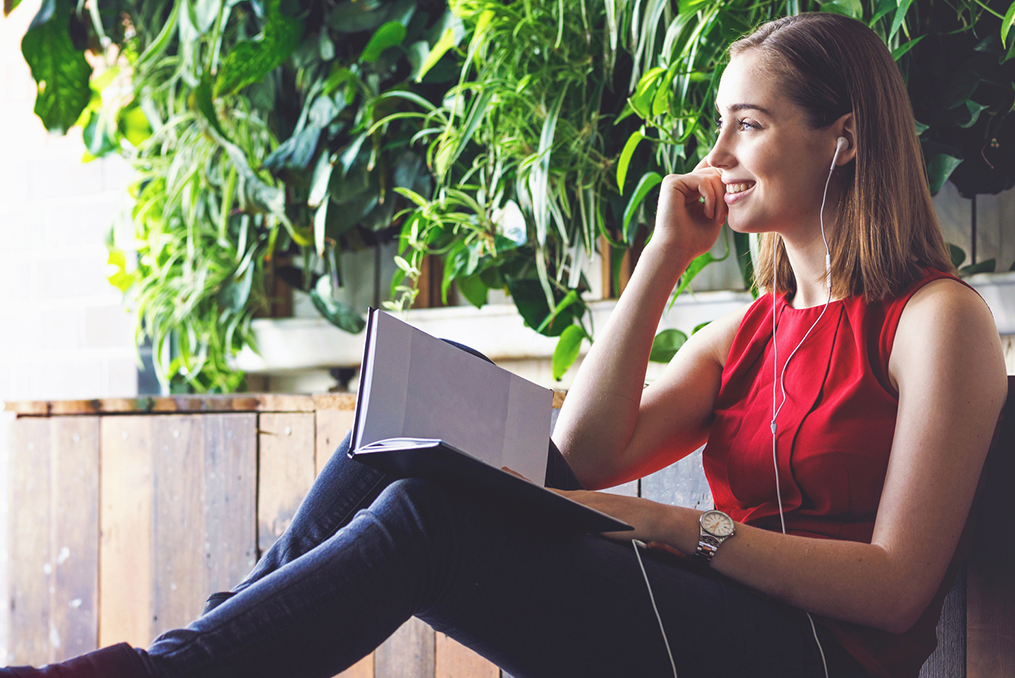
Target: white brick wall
x=63, y=332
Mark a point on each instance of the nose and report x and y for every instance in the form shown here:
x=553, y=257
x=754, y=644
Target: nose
x=721, y=156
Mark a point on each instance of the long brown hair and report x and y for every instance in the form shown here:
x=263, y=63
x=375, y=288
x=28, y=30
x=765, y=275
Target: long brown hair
x=886, y=231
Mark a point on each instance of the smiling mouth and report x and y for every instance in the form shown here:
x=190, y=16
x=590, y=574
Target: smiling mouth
x=738, y=188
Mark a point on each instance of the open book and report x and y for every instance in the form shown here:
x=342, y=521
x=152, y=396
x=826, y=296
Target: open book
x=428, y=409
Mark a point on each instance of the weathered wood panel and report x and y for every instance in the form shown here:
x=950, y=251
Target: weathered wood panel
x=230, y=499
x=178, y=518
x=408, y=653
x=682, y=483
x=454, y=660
x=30, y=571
x=178, y=576
x=949, y=659
x=332, y=427
x=990, y=589
x=74, y=536
x=125, y=577
x=287, y=470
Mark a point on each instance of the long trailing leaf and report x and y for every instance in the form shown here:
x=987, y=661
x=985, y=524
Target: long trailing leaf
x=625, y=158
x=647, y=182
x=539, y=176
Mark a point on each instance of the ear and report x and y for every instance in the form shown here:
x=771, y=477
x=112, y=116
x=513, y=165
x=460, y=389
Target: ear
x=846, y=127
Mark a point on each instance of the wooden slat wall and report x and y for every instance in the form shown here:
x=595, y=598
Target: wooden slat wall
x=178, y=517
x=178, y=499
x=54, y=538
x=125, y=582
x=682, y=483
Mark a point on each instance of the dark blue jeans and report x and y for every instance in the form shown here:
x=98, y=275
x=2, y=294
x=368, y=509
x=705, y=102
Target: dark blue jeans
x=365, y=552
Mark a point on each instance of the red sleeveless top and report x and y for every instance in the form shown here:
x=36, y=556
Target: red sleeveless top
x=834, y=438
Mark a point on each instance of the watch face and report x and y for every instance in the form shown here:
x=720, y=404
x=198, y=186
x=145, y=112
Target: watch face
x=717, y=523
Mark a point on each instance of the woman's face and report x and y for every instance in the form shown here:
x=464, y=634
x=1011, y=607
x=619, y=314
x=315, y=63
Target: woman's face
x=773, y=165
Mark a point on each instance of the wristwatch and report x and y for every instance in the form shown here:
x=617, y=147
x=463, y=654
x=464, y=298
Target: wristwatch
x=715, y=528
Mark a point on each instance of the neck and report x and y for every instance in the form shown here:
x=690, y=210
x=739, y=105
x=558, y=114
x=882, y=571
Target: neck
x=807, y=259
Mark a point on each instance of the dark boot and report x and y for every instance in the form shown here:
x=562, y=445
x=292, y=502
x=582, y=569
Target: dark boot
x=115, y=661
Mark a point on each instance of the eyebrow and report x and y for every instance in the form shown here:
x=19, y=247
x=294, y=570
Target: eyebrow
x=744, y=107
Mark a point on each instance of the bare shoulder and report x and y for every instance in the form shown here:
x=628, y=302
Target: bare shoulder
x=947, y=327
x=716, y=338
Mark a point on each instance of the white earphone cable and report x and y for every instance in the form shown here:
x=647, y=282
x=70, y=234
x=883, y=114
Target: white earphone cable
x=635, y=542
x=779, y=378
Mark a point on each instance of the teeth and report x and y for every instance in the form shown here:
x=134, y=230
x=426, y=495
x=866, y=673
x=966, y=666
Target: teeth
x=737, y=188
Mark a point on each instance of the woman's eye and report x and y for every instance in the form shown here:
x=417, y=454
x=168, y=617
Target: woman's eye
x=718, y=123
x=743, y=124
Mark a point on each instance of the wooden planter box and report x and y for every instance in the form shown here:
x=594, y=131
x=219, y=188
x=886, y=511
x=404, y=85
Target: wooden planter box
x=126, y=514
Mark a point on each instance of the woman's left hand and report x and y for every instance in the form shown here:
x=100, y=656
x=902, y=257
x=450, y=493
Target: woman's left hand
x=644, y=515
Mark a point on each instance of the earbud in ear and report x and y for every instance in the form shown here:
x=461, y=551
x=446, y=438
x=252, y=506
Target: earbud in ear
x=840, y=144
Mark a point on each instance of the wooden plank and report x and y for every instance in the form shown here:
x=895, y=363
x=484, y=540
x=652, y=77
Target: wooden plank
x=30, y=569
x=178, y=578
x=287, y=469
x=245, y=402
x=230, y=499
x=125, y=551
x=990, y=588
x=454, y=660
x=74, y=536
x=364, y=668
x=332, y=427
x=682, y=484
x=408, y=653
x=334, y=401
x=949, y=659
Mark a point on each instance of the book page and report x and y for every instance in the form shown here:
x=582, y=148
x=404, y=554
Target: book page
x=421, y=387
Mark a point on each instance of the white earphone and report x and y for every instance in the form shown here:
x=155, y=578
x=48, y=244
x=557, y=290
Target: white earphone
x=779, y=379
x=841, y=143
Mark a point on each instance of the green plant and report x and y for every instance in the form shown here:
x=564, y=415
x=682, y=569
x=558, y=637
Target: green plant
x=957, y=58
x=249, y=125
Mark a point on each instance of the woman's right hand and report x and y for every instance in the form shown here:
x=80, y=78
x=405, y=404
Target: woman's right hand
x=691, y=211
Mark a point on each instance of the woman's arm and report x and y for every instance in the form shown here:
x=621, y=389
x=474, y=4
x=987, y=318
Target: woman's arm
x=948, y=367
x=609, y=430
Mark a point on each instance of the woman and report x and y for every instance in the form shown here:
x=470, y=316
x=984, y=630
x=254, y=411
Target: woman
x=859, y=432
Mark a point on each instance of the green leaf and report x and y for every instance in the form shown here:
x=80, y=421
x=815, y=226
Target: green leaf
x=742, y=247
x=665, y=345
x=338, y=313
x=985, y=266
x=939, y=169
x=569, y=298
x=647, y=182
x=974, y=113
x=450, y=37
x=625, y=158
x=900, y=16
x=250, y=61
x=1006, y=24
x=700, y=326
x=530, y=300
x=354, y=16
x=320, y=226
x=850, y=8
x=567, y=349
x=957, y=254
x=906, y=46
x=60, y=71
x=9, y=6
x=236, y=291
x=389, y=35
x=473, y=289
x=320, y=179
